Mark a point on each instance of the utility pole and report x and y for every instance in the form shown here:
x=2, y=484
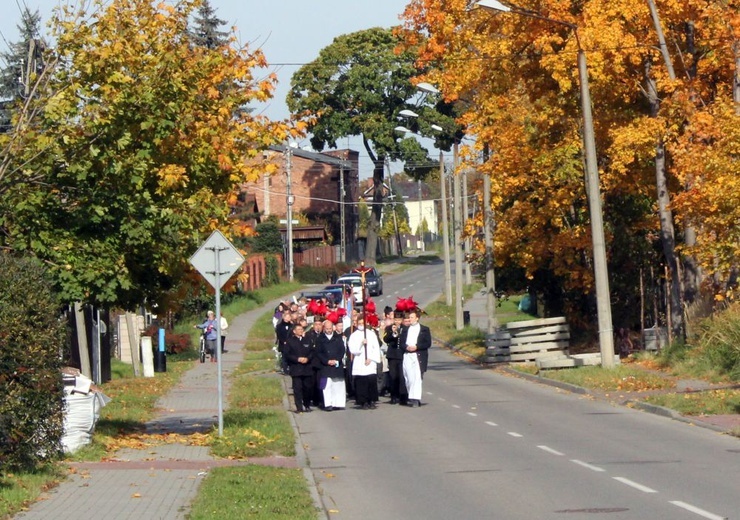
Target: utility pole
x=445, y=230
x=421, y=217
x=466, y=242
x=457, y=218
x=488, y=226
x=342, y=224
x=289, y=206
x=393, y=208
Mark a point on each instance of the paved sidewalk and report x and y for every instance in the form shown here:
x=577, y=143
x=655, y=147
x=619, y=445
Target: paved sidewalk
x=476, y=306
x=158, y=482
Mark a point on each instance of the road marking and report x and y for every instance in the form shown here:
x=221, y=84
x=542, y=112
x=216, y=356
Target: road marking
x=515, y=434
x=587, y=465
x=489, y=423
x=471, y=414
x=441, y=398
x=550, y=450
x=635, y=485
x=455, y=406
x=694, y=509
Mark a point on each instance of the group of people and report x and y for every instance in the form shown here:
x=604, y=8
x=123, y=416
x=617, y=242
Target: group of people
x=350, y=356
x=211, y=334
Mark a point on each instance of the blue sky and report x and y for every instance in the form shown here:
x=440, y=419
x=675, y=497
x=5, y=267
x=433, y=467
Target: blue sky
x=290, y=33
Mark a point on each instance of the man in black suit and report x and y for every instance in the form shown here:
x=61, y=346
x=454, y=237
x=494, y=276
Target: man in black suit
x=415, y=341
x=283, y=331
x=395, y=358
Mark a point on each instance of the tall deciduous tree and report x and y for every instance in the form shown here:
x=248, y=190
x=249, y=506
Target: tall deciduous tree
x=520, y=74
x=357, y=86
x=136, y=151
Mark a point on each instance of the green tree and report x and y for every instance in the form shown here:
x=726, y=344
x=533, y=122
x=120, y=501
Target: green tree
x=134, y=154
x=205, y=29
x=357, y=86
x=268, y=238
x=32, y=407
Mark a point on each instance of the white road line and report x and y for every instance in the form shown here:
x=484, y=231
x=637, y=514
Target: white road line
x=587, y=465
x=635, y=485
x=455, y=406
x=489, y=423
x=441, y=398
x=694, y=509
x=515, y=434
x=550, y=450
x=471, y=414
x=430, y=393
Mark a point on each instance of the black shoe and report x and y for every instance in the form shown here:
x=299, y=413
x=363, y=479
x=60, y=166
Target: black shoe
x=224, y=351
x=299, y=410
x=366, y=406
x=394, y=400
x=373, y=406
x=308, y=409
x=414, y=403
x=328, y=408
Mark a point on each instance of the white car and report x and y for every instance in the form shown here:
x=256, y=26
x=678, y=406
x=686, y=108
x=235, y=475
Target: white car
x=355, y=281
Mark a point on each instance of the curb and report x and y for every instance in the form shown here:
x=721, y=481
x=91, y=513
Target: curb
x=302, y=457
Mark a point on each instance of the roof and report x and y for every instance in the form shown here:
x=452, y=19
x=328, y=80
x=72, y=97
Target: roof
x=306, y=232
x=312, y=156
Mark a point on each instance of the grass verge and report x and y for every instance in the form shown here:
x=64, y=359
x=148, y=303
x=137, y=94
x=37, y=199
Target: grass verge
x=254, y=492
x=255, y=425
x=17, y=489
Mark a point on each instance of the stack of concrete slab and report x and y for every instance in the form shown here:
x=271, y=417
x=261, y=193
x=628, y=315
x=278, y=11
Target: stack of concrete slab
x=528, y=341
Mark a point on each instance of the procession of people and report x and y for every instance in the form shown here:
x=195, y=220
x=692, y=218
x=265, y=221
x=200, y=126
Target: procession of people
x=333, y=353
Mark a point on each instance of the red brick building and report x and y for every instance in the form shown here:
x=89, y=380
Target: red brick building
x=316, y=182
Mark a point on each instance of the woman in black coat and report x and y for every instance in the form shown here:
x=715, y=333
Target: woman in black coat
x=299, y=354
x=330, y=350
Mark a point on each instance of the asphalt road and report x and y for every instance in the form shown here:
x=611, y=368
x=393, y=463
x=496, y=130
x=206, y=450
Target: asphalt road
x=487, y=445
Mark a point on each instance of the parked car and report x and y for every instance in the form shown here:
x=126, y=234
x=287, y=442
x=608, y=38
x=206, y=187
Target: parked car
x=373, y=280
x=354, y=281
x=335, y=292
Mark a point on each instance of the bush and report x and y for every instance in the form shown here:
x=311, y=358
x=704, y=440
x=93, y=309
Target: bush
x=173, y=343
x=272, y=271
x=310, y=275
x=32, y=337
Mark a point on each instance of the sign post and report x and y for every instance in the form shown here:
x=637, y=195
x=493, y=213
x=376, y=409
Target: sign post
x=216, y=260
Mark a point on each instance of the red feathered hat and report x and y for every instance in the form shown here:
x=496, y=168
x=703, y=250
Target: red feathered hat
x=370, y=306
x=371, y=319
x=406, y=304
x=333, y=317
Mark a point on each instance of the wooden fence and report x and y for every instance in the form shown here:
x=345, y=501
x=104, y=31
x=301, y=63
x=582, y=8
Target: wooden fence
x=322, y=256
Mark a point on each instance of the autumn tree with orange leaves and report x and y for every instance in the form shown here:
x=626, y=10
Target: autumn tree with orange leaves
x=134, y=147
x=518, y=74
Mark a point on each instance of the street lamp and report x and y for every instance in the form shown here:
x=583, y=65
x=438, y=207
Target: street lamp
x=593, y=192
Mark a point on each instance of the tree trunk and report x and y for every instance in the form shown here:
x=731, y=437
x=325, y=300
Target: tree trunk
x=376, y=211
x=736, y=83
x=667, y=232
x=692, y=274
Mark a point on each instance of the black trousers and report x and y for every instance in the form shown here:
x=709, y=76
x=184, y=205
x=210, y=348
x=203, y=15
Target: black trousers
x=395, y=374
x=366, y=389
x=302, y=391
